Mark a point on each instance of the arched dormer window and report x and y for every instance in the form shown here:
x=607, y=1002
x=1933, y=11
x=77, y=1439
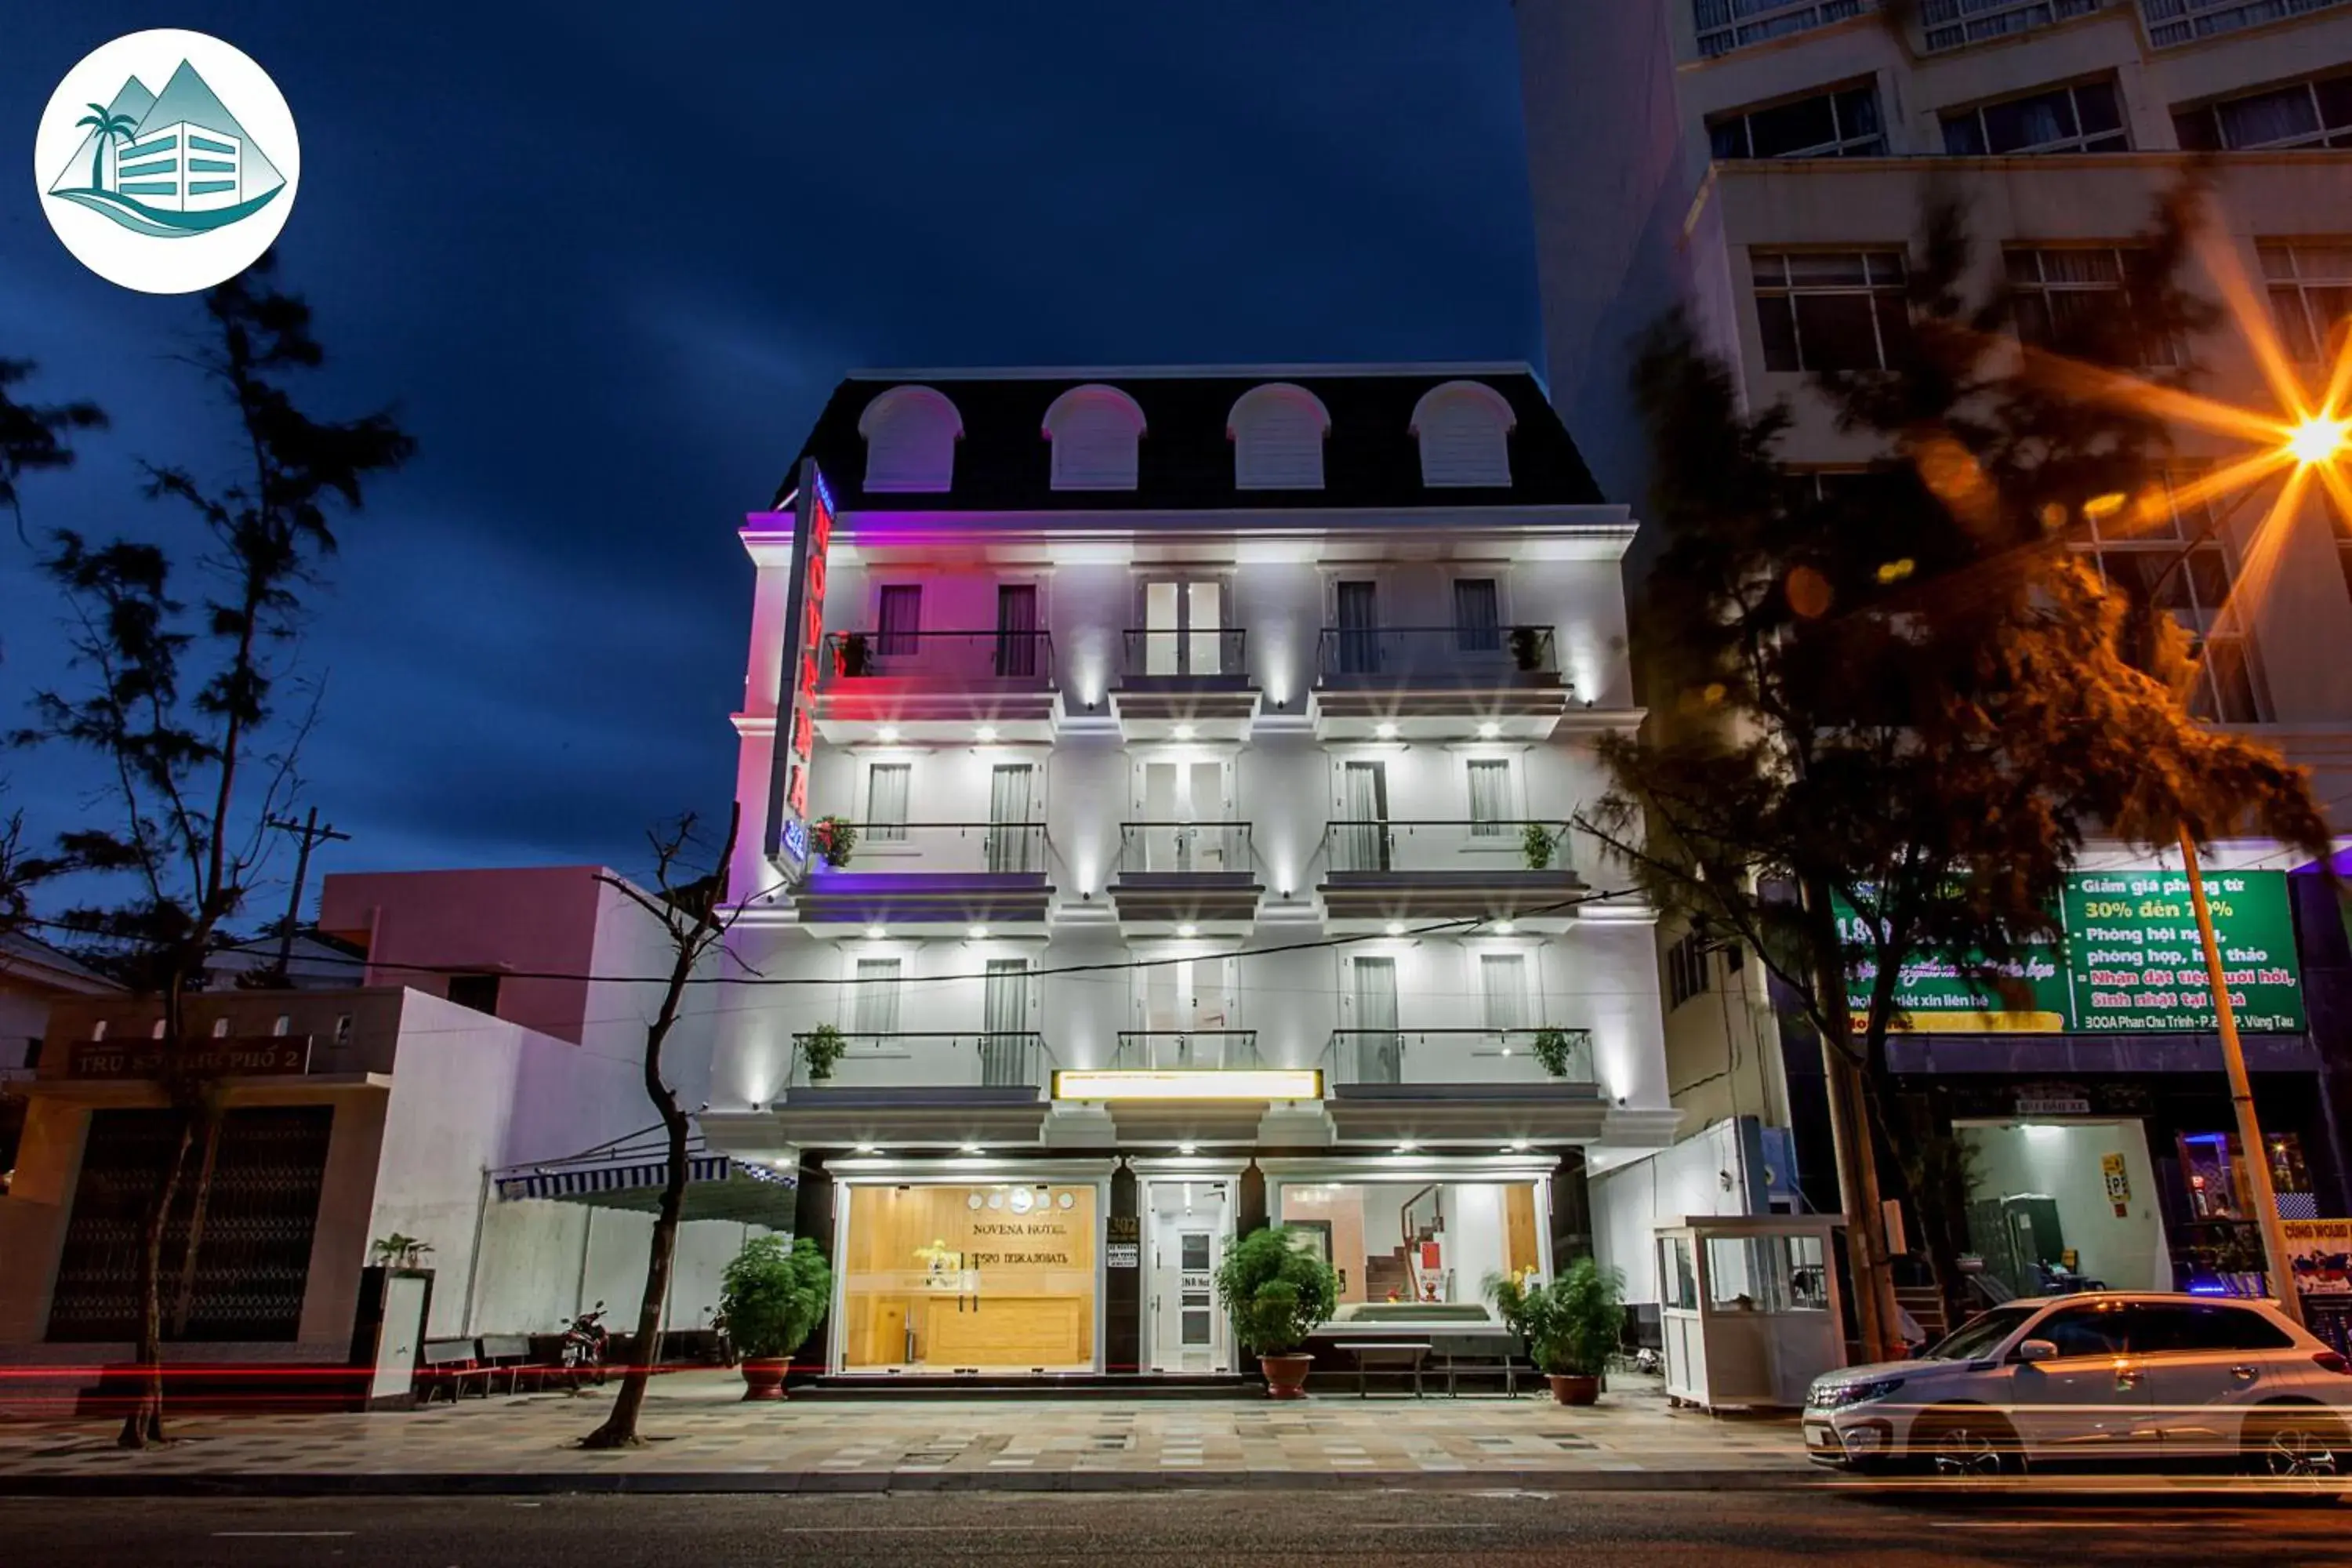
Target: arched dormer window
x=911, y=440
x=1464, y=428
x=1277, y=434
x=1094, y=429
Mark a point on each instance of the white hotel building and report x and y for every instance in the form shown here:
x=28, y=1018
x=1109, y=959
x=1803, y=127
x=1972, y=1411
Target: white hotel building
x=1209, y=737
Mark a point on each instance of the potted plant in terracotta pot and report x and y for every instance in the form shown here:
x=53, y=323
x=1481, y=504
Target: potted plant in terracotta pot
x=772, y=1296
x=1571, y=1326
x=1278, y=1292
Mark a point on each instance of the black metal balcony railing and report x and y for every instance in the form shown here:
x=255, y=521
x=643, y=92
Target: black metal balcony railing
x=1161, y=654
x=917, y=1059
x=1459, y=1055
x=953, y=849
x=1180, y=1050
x=1386, y=845
x=1183, y=848
x=959, y=656
x=1436, y=653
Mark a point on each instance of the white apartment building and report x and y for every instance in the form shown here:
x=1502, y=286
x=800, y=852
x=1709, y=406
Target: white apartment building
x=1209, y=737
x=1767, y=161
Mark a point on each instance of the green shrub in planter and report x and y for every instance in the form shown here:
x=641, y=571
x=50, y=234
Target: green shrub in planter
x=1276, y=1291
x=1573, y=1324
x=1552, y=1050
x=773, y=1295
x=820, y=1049
x=1536, y=846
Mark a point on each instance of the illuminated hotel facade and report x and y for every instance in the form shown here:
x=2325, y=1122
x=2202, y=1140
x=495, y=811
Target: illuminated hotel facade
x=1195, y=749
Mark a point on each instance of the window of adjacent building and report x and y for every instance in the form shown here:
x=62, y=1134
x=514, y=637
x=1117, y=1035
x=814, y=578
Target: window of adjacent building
x=1728, y=24
x=2079, y=301
x=1829, y=310
x=2310, y=284
x=1687, y=974
x=2173, y=22
x=1490, y=797
x=874, y=997
x=1464, y=428
x=1477, y=615
x=886, y=802
x=480, y=991
x=1503, y=990
x=2086, y=117
x=1954, y=23
x=898, y=619
x=2314, y=112
x=2175, y=560
x=1841, y=124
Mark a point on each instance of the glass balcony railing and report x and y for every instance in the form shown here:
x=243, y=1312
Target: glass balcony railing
x=1475, y=849
x=1459, y=1055
x=1463, y=654
x=1166, y=655
x=1186, y=1050
x=1183, y=848
x=948, y=848
x=917, y=1060
x=1026, y=657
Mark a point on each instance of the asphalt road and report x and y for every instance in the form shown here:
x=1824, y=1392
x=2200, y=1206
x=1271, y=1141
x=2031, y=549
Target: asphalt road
x=1150, y=1529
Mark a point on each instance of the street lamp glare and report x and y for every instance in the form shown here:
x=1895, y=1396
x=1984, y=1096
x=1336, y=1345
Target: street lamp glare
x=2318, y=439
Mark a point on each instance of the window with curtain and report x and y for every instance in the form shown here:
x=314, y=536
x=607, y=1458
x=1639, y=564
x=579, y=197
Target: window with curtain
x=1503, y=990
x=886, y=802
x=2079, y=301
x=2145, y=560
x=1477, y=615
x=1490, y=798
x=873, y=1003
x=1830, y=309
x=2310, y=286
x=1012, y=838
x=2086, y=117
x=899, y=618
x=2314, y=112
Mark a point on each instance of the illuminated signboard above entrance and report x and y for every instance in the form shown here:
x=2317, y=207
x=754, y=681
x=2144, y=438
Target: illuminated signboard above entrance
x=1248, y=1083
x=796, y=743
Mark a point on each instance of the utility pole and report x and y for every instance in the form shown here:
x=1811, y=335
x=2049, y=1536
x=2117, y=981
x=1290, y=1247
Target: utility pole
x=308, y=833
x=2241, y=1097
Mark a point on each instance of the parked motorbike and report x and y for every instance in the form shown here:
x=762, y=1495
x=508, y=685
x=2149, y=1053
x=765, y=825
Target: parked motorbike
x=583, y=1344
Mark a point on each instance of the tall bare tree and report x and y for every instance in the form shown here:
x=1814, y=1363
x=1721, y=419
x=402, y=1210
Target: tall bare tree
x=694, y=917
x=184, y=706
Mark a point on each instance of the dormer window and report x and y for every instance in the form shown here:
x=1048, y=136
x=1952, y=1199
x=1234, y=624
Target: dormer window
x=911, y=440
x=1094, y=430
x=1277, y=434
x=1464, y=428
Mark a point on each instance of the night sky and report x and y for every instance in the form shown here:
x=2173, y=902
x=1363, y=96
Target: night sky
x=607, y=260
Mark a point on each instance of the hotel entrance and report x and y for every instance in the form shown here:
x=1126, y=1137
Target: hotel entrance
x=971, y=1278
x=1190, y=1223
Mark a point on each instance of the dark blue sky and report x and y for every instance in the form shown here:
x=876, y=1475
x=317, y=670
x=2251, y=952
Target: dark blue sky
x=609, y=259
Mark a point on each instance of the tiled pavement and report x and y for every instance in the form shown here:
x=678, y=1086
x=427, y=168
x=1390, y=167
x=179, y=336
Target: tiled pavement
x=704, y=1438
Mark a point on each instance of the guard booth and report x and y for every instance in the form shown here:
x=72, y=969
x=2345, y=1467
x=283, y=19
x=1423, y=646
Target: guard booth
x=1749, y=1307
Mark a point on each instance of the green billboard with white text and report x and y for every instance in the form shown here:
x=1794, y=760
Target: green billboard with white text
x=2127, y=960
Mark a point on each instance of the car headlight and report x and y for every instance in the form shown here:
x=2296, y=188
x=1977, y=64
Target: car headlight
x=1839, y=1396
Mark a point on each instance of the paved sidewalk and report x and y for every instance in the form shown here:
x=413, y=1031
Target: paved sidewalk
x=704, y=1438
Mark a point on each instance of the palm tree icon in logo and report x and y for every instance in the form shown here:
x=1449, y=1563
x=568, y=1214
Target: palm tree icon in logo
x=107, y=127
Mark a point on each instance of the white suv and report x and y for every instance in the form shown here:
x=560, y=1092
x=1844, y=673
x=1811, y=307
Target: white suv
x=2104, y=1377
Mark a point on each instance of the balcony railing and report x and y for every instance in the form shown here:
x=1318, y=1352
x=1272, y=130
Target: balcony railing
x=1473, y=848
x=2173, y=22
x=925, y=1059
x=1728, y=24
x=1458, y=1055
x=1184, y=848
x=1504, y=654
x=1165, y=655
x=943, y=655
x=950, y=849
x=1186, y=1050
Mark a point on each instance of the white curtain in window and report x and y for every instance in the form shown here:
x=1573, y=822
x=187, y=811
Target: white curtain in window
x=886, y=802
x=1503, y=980
x=1490, y=798
x=874, y=1009
x=1364, y=844
x=1009, y=834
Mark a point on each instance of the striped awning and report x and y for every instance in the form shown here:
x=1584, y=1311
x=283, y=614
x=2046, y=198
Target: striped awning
x=628, y=1174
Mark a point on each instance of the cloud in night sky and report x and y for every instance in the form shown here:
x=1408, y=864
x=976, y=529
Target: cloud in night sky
x=608, y=261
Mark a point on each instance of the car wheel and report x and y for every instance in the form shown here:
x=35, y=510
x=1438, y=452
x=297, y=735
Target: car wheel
x=2297, y=1441
x=1963, y=1445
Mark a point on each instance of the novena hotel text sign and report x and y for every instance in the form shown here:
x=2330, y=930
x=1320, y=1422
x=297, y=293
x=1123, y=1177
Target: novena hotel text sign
x=2127, y=960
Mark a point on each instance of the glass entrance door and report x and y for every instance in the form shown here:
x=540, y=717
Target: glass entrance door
x=1190, y=1224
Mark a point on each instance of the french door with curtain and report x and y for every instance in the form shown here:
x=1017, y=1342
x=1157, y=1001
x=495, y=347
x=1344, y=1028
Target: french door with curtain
x=1379, y=1049
x=1359, y=636
x=900, y=617
x=874, y=1005
x=1004, y=1018
x=1363, y=843
x=1011, y=833
x=1477, y=615
x=1503, y=992
x=1017, y=629
x=886, y=802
